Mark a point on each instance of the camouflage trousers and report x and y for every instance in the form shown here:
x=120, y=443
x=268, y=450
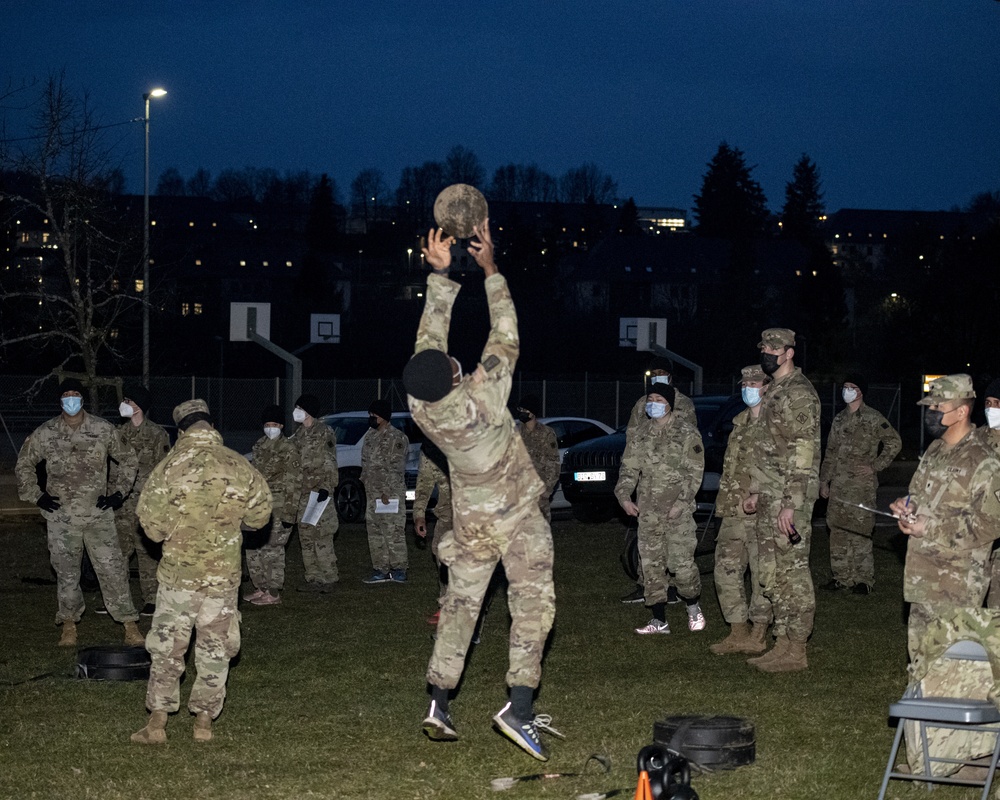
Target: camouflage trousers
x=666, y=550
x=216, y=620
x=318, y=556
x=131, y=540
x=851, y=557
x=735, y=550
x=993, y=598
x=545, y=506
x=784, y=570
x=266, y=564
x=386, y=537
x=522, y=541
x=442, y=533
x=67, y=536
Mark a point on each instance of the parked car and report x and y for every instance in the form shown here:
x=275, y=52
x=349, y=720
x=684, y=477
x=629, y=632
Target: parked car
x=590, y=470
x=571, y=431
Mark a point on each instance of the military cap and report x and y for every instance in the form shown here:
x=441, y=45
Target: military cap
x=777, y=337
x=381, y=408
x=753, y=373
x=950, y=387
x=189, y=407
x=993, y=390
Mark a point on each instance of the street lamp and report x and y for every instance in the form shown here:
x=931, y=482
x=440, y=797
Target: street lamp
x=145, y=243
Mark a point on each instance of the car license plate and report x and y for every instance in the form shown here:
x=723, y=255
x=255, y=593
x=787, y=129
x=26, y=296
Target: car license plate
x=411, y=495
x=590, y=477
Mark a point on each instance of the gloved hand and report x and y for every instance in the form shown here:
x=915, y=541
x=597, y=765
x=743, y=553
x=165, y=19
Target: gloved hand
x=47, y=502
x=286, y=525
x=112, y=501
x=322, y=495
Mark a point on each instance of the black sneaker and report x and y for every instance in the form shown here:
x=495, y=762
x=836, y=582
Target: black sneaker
x=438, y=725
x=833, y=586
x=862, y=588
x=637, y=595
x=148, y=610
x=524, y=733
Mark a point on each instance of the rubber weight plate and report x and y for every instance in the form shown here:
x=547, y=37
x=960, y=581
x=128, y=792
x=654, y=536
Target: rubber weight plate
x=113, y=663
x=709, y=742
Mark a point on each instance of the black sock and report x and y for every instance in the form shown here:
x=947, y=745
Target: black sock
x=440, y=697
x=660, y=612
x=521, y=702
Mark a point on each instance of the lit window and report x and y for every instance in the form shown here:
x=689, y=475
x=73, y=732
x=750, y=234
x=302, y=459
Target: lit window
x=197, y=262
x=185, y=309
x=152, y=222
x=197, y=308
x=814, y=273
x=25, y=237
x=243, y=263
x=114, y=284
x=45, y=237
x=113, y=333
x=265, y=263
x=139, y=285
x=215, y=224
x=798, y=273
x=288, y=263
x=190, y=224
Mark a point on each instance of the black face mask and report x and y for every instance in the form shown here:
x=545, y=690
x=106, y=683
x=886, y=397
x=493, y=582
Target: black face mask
x=933, y=425
x=373, y=422
x=524, y=416
x=769, y=363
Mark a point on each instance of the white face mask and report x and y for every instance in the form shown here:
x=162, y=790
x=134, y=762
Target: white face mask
x=751, y=395
x=125, y=410
x=993, y=418
x=271, y=432
x=656, y=410
x=299, y=415
x=849, y=395
x=664, y=379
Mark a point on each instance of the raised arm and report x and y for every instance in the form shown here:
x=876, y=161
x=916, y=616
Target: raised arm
x=441, y=293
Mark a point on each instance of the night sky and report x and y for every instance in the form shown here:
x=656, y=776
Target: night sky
x=898, y=101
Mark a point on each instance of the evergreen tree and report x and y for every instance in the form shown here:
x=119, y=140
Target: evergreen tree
x=800, y=217
x=731, y=204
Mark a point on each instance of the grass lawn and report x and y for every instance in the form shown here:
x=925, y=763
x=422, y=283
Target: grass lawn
x=326, y=698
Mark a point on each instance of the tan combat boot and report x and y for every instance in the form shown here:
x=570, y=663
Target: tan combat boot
x=780, y=645
x=757, y=640
x=203, y=727
x=133, y=636
x=155, y=731
x=68, y=638
x=793, y=659
x=739, y=634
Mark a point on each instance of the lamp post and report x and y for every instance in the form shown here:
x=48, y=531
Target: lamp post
x=145, y=242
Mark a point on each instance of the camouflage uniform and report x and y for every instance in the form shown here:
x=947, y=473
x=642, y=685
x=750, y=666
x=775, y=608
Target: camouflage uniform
x=429, y=475
x=194, y=502
x=151, y=443
x=787, y=472
x=77, y=463
x=858, y=439
x=495, y=490
x=383, y=467
x=317, y=447
x=736, y=546
x=992, y=438
x=278, y=461
x=664, y=464
x=543, y=449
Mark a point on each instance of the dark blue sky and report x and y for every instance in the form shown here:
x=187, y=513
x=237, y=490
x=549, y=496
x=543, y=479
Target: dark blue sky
x=898, y=101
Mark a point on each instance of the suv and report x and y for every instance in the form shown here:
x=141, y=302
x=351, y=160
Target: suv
x=351, y=428
x=590, y=470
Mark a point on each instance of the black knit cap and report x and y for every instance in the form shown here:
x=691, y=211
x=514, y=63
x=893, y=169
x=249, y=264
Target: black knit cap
x=70, y=385
x=659, y=362
x=139, y=395
x=309, y=403
x=381, y=407
x=858, y=380
x=993, y=390
x=428, y=375
x=665, y=390
x=532, y=403
x=273, y=414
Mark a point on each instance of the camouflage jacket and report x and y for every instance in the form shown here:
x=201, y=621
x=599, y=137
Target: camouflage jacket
x=683, y=408
x=543, y=448
x=430, y=475
x=150, y=442
x=991, y=436
x=736, y=483
x=858, y=439
x=194, y=502
x=81, y=464
x=278, y=461
x=664, y=464
x=490, y=470
x=789, y=444
x=317, y=446
x=383, y=462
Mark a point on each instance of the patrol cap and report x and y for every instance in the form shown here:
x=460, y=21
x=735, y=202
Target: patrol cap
x=752, y=373
x=777, y=337
x=950, y=387
x=664, y=390
x=189, y=412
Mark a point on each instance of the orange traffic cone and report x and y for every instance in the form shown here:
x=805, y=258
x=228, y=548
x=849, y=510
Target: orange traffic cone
x=643, y=791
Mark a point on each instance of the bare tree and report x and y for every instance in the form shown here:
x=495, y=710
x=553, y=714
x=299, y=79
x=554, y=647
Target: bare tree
x=587, y=184
x=368, y=191
x=462, y=166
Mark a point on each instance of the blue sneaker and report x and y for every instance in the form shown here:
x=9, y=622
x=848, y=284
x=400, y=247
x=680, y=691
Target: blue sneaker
x=397, y=575
x=376, y=577
x=438, y=725
x=524, y=733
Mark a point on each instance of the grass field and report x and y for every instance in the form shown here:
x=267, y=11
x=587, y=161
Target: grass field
x=326, y=698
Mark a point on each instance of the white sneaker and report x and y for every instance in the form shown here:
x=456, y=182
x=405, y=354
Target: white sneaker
x=696, y=621
x=653, y=626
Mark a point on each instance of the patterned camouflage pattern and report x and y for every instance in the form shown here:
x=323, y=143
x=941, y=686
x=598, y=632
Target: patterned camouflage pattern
x=151, y=443
x=216, y=619
x=777, y=337
x=736, y=545
x=992, y=439
x=430, y=475
x=862, y=443
x=948, y=387
x=77, y=462
x=787, y=474
x=317, y=446
x=663, y=464
x=278, y=461
x=683, y=408
x=543, y=449
x=383, y=467
x=494, y=489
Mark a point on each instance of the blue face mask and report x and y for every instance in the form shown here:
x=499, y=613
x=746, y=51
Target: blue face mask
x=656, y=410
x=751, y=395
x=71, y=405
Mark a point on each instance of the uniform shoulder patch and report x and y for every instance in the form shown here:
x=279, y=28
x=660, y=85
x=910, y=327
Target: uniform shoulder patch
x=885, y=424
x=491, y=363
x=697, y=448
x=802, y=419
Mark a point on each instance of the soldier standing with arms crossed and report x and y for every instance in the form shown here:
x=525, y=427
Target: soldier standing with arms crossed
x=543, y=448
x=495, y=492
x=787, y=473
x=383, y=467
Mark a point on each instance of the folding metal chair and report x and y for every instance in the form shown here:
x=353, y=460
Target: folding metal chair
x=955, y=713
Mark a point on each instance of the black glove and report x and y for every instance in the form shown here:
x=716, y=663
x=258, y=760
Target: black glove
x=47, y=502
x=322, y=495
x=113, y=501
x=286, y=525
